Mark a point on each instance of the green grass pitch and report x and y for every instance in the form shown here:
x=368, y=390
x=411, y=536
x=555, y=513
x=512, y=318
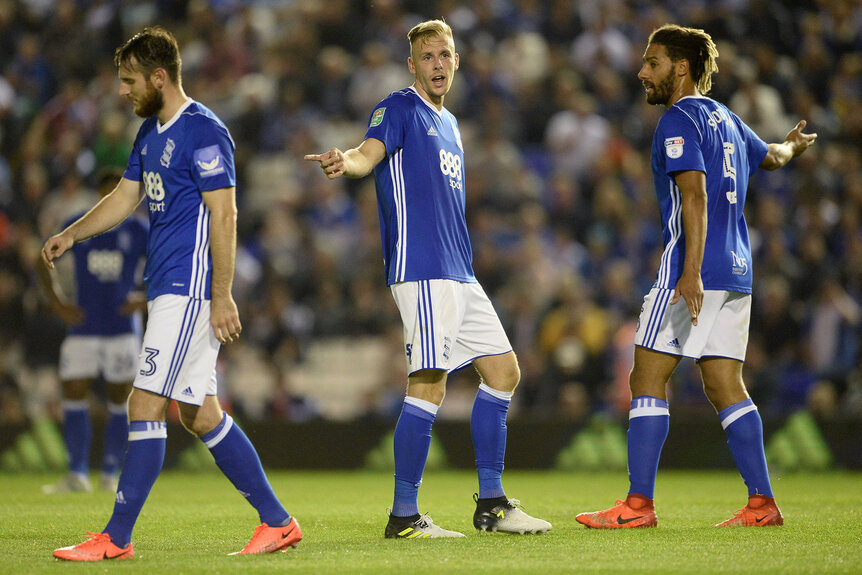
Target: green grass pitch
x=192, y=521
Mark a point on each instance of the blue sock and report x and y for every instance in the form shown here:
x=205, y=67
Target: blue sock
x=116, y=437
x=412, y=441
x=488, y=428
x=144, y=460
x=649, y=419
x=77, y=434
x=236, y=457
x=744, y=428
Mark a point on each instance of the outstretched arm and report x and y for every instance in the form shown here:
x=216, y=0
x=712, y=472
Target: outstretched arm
x=110, y=211
x=794, y=144
x=354, y=163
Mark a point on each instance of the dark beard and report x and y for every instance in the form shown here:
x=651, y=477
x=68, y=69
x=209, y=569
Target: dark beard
x=151, y=104
x=662, y=92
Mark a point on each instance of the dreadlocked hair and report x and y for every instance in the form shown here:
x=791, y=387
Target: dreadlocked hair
x=690, y=44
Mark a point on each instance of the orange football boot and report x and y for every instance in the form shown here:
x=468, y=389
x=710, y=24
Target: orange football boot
x=98, y=547
x=760, y=510
x=635, y=511
x=267, y=539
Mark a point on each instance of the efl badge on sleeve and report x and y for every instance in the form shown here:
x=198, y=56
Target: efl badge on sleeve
x=377, y=117
x=209, y=161
x=673, y=147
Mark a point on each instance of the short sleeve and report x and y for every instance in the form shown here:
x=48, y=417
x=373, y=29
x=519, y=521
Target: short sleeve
x=757, y=148
x=680, y=143
x=387, y=122
x=212, y=157
x=133, y=168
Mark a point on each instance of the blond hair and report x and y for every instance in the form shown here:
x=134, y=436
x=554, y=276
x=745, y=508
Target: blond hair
x=690, y=44
x=428, y=29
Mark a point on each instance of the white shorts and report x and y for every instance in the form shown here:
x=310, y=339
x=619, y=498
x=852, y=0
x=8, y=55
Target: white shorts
x=447, y=324
x=180, y=350
x=721, y=330
x=113, y=357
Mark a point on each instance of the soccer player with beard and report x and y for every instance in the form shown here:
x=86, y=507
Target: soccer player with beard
x=702, y=156
x=182, y=166
x=414, y=148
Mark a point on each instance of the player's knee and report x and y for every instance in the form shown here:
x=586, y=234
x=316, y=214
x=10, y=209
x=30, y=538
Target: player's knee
x=200, y=420
x=512, y=377
x=723, y=395
x=76, y=390
x=640, y=385
x=504, y=380
x=196, y=426
x=432, y=394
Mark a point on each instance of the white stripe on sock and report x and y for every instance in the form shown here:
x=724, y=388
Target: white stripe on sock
x=422, y=404
x=75, y=405
x=504, y=395
x=647, y=411
x=736, y=415
x=117, y=408
x=228, y=423
x=153, y=433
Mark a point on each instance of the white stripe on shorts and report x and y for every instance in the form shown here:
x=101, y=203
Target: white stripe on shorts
x=656, y=316
x=426, y=314
x=182, y=346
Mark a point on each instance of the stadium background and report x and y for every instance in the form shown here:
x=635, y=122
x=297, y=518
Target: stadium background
x=561, y=208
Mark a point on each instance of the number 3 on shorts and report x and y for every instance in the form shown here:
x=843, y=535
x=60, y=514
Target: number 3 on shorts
x=150, y=361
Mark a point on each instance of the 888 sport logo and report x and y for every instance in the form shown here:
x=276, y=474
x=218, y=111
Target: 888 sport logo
x=450, y=165
x=155, y=190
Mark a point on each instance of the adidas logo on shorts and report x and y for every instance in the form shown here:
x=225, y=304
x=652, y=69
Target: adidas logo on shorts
x=674, y=343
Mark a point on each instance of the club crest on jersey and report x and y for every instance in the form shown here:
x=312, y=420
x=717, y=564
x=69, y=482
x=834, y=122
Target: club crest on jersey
x=166, y=153
x=209, y=161
x=377, y=117
x=673, y=147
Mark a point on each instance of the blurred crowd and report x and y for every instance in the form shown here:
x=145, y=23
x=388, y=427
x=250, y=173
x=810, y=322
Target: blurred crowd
x=561, y=206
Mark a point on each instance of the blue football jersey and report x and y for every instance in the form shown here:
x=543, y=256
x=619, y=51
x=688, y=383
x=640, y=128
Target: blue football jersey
x=105, y=268
x=176, y=163
x=698, y=133
x=420, y=191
